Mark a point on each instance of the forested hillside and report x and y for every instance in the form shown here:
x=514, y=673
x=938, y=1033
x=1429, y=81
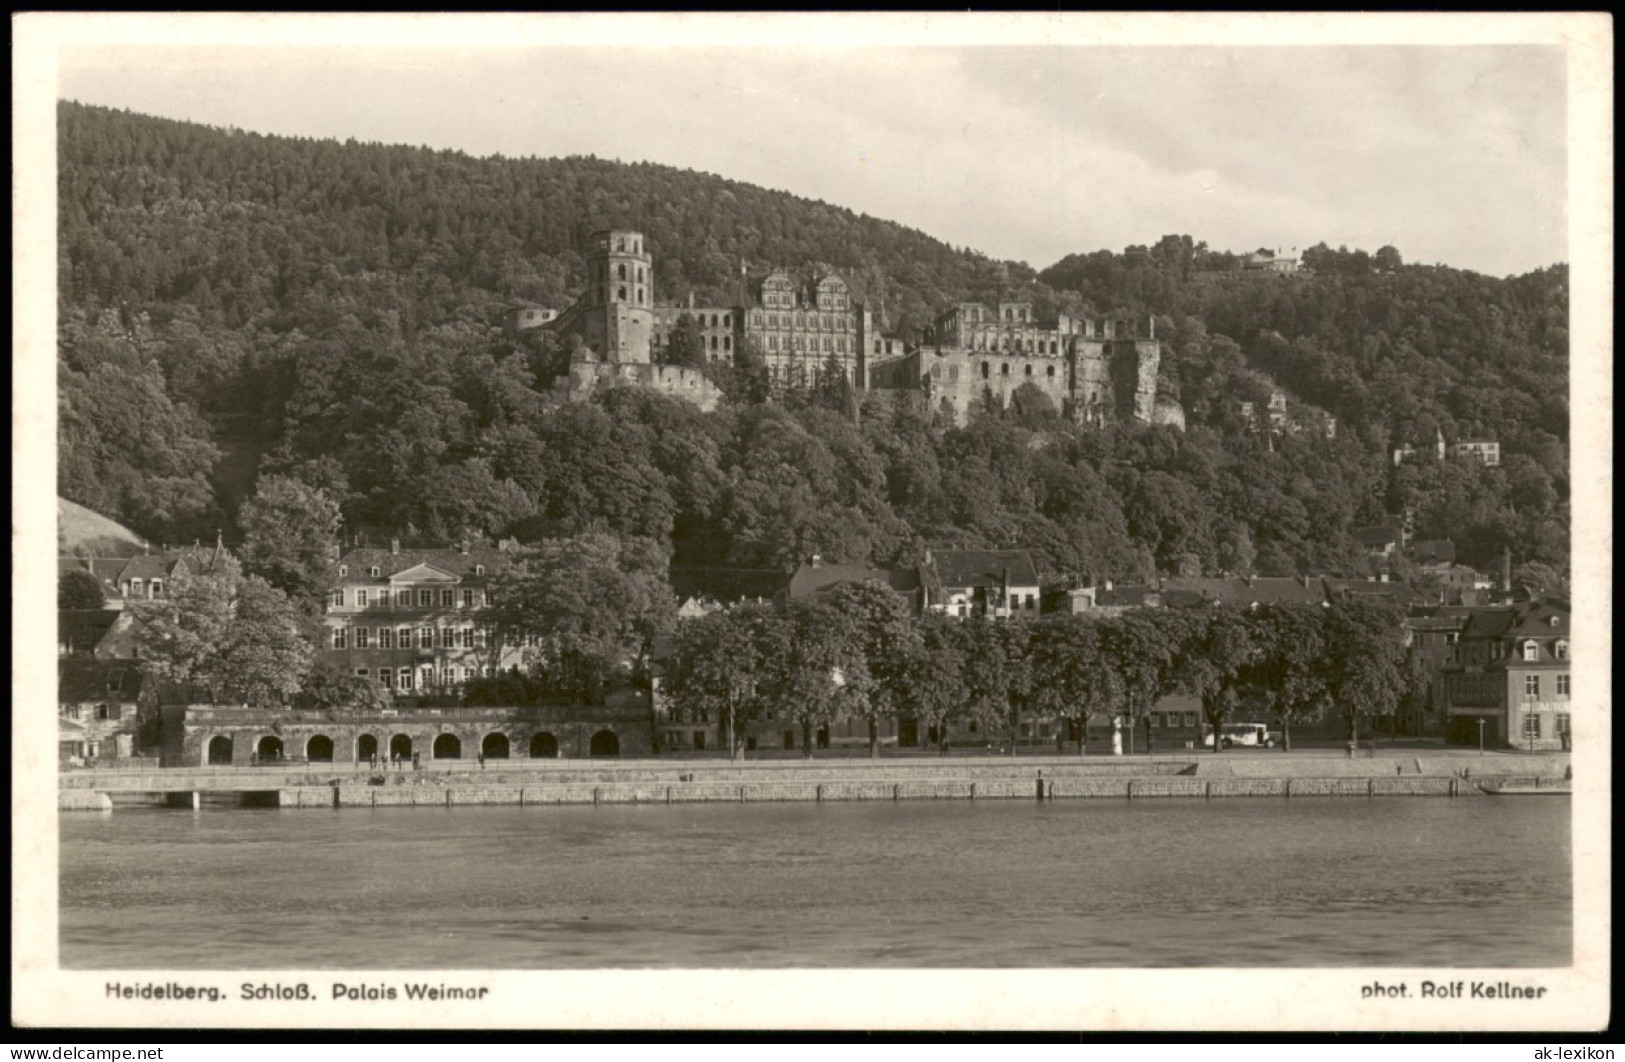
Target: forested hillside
x=234, y=304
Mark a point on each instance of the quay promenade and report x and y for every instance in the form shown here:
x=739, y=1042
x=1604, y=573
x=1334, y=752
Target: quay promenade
x=1399, y=772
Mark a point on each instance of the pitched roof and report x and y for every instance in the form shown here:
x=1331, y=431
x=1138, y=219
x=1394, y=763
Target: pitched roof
x=1380, y=535
x=81, y=679
x=1434, y=551
x=1125, y=596
x=728, y=586
x=983, y=567
x=80, y=629
x=1263, y=590
x=453, y=561
x=149, y=566
x=813, y=578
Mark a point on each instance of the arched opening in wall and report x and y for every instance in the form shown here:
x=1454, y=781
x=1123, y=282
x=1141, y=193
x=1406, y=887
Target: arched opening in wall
x=543, y=746
x=620, y=293
x=366, y=747
x=400, y=747
x=269, y=748
x=494, y=747
x=319, y=749
x=620, y=272
x=604, y=743
x=1052, y=370
x=220, y=752
x=640, y=294
x=448, y=747
x=986, y=370
x=1029, y=371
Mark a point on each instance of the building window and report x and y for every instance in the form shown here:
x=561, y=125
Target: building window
x=343, y=571
x=360, y=599
x=405, y=641
x=158, y=588
x=447, y=598
x=1563, y=684
x=1531, y=726
x=468, y=637
x=376, y=571
x=425, y=637
x=338, y=599
x=1531, y=651
x=1190, y=718
x=448, y=637
x=361, y=637
x=469, y=674
x=403, y=599
x=1052, y=370
x=1561, y=649
x=479, y=637
x=448, y=676
x=363, y=672
x=386, y=637
x=1531, y=687
x=405, y=678
x=386, y=678
x=135, y=587
x=468, y=599
x=1563, y=724
x=1004, y=370
x=340, y=640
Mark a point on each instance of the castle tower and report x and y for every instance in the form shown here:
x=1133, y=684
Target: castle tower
x=619, y=270
x=618, y=318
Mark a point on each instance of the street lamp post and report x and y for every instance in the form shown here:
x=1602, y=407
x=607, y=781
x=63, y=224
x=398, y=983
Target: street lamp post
x=1481, y=735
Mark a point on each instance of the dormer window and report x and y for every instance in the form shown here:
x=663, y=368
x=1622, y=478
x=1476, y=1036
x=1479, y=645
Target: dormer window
x=1531, y=651
x=343, y=571
x=377, y=571
x=479, y=569
x=1561, y=649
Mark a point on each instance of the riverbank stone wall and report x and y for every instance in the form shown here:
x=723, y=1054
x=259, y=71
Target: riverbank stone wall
x=248, y=737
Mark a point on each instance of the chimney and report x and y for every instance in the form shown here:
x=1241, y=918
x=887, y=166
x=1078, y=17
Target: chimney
x=1383, y=577
x=394, y=546
x=462, y=547
x=1506, y=568
x=817, y=560
x=1108, y=585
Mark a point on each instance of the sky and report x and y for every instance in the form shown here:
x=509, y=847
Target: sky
x=1027, y=151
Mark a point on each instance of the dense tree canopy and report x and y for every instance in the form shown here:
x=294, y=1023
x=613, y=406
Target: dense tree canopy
x=235, y=307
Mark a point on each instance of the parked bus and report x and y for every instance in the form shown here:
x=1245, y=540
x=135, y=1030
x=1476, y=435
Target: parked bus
x=1233, y=734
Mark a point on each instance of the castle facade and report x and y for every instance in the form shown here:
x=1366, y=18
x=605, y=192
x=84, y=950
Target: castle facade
x=1094, y=369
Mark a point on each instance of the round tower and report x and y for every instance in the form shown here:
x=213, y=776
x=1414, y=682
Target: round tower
x=619, y=270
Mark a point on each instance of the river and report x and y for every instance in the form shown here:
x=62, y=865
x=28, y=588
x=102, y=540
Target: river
x=1089, y=883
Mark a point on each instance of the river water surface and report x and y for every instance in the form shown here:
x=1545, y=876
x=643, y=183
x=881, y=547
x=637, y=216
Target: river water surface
x=1306, y=882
